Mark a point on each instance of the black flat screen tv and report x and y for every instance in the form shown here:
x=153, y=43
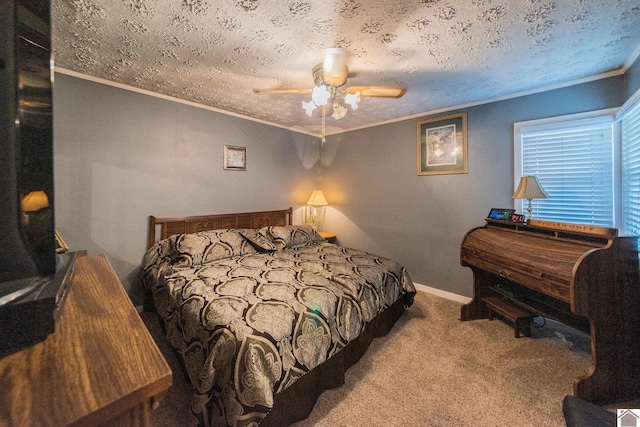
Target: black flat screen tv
x=27, y=228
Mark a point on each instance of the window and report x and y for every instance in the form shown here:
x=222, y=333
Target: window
x=576, y=161
x=630, y=129
x=573, y=158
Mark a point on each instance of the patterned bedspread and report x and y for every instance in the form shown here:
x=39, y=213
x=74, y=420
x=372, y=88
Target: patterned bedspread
x=250, y=312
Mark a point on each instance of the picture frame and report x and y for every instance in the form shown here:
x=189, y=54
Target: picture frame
x=235, y=158
x=61, y=246
x=442, y=145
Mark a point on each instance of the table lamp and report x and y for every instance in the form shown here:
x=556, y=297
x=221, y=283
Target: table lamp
x=529, y=188
x=315, y=209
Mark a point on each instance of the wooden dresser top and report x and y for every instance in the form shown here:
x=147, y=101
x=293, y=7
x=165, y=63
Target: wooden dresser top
x=99, y=363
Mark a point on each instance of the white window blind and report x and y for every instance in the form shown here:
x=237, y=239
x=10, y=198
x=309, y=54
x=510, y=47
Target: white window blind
x=574, y=164
x=630, y=124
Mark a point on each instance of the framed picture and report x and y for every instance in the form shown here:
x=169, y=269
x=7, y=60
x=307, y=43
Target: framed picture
x=235, y=158
x=61, y=246
x=442, y=145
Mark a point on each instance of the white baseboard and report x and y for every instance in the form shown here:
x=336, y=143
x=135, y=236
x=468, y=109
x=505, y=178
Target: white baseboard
x=443, y=294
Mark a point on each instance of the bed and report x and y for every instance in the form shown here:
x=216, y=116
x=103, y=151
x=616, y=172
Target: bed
x=265, y=315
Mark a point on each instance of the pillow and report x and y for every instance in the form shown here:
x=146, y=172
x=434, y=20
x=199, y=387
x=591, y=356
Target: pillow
x=291, y=236
x=258, y=240
x=206, y=246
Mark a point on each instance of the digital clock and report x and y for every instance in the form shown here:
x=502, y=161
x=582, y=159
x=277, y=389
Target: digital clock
x=516, y=218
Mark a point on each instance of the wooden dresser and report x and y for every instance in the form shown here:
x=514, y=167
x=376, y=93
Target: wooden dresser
x=99, y=367
x=586, y=277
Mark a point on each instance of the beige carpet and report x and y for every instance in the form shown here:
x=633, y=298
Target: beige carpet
x=434, y=370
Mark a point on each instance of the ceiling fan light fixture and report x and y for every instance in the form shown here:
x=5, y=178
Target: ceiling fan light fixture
x=329, y=77
x=309, y=107
x=339, y=111
x=353, y=100
x=320, y=95
x=334, y=66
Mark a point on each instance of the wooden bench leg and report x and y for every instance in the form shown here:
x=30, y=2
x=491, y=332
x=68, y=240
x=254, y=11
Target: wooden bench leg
x=523, y=324
x=527, y=326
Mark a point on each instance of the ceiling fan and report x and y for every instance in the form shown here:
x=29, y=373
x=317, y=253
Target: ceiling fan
x=329, y=78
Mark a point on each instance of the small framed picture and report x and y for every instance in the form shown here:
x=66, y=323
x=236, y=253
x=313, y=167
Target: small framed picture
x=235, y=158
x=61, y=246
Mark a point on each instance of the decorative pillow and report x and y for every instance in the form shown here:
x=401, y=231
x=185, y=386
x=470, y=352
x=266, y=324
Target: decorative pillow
x=206, y=246
x=291, y=236
x=259, y=241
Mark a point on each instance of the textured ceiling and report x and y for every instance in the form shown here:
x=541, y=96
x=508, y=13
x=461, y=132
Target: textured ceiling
x=446, y=52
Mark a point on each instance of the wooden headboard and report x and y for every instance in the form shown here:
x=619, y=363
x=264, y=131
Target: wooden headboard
x=193, y=224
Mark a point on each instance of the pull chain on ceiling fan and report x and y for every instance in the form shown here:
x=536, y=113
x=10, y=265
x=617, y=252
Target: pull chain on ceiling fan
x=329, y=78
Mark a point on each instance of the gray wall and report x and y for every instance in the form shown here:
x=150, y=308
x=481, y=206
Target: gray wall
x=121, y=156
x=379, y=204
x=632, y=79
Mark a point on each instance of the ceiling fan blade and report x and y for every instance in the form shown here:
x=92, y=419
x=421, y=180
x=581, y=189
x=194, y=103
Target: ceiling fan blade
x=378, y=91
x=280, y=91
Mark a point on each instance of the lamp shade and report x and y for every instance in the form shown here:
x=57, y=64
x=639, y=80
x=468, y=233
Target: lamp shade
x=317, y=199
x=529, y=188
x=35, y=201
